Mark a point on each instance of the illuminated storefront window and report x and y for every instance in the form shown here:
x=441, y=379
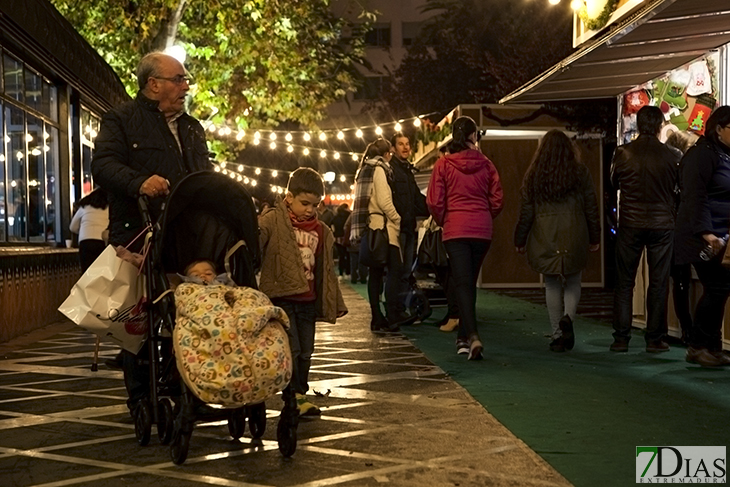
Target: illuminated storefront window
x=28, y=154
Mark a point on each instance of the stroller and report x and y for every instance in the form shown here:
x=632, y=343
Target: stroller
x=207, y=216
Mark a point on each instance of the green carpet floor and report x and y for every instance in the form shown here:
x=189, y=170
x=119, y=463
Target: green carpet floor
x=586, y=410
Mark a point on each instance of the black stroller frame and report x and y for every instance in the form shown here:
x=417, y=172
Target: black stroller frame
x=224, y=215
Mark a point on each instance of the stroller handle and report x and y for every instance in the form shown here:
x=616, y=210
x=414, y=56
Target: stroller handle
x=143, y=203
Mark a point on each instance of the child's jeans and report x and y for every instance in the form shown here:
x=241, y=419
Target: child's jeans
x=301, y=340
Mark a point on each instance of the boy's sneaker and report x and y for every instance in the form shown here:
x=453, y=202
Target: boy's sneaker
x=462, y=347
x=306, y=408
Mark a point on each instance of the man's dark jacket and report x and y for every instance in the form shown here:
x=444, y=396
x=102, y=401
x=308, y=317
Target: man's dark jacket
x=134, y=143
x=408, y=200
x=646, y=172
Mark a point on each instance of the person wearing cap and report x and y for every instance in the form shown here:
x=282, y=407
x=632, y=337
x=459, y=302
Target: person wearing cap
x=464, y=196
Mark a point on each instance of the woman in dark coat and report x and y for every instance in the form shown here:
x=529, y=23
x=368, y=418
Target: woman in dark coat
x=703, y=220
x=558, y=225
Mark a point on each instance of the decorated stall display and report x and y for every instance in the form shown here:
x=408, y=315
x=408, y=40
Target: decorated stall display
x=686, y=97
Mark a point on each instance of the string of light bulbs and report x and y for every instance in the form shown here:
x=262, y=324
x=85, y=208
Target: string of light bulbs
x=322, y=134
x=238, y=175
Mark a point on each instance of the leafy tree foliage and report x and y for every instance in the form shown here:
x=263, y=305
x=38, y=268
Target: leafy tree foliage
x=258, y=62
x=473, y=51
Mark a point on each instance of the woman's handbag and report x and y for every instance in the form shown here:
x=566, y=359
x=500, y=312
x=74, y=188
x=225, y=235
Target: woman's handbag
x=432, y=250
x=374, y=245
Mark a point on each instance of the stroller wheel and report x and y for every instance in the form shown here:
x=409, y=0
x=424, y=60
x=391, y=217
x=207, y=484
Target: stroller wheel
x=166, y=425
x=286, y=436
x=143, y=422
x=237, y=423
x=179, y=447
x=257, y=419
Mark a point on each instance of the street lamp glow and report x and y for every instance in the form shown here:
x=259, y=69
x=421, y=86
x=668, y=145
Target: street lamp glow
x=178, y=52
x=554, y=2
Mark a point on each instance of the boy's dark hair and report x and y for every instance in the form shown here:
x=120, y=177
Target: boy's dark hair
x=649, y=120
x=198, y=261
x=306, y=180
x=95, y=199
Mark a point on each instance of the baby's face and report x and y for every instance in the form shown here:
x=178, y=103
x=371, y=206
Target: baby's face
x=202, y=270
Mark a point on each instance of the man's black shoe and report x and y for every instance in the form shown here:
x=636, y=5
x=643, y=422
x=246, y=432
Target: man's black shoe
x=619, y=346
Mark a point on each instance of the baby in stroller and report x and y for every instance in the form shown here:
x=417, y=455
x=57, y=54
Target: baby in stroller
x=230, y=342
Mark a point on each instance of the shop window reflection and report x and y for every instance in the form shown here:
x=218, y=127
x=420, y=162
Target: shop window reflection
x=16, y=159
x=33, y=90
x=90, y=125
x=13, y=77
x=36, y=176
x=50, y=150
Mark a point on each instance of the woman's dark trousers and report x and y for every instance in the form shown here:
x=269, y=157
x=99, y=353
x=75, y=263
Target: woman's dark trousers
x=465, y=257
x=392, y=287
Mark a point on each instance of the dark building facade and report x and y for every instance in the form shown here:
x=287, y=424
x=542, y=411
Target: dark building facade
x=53, y=90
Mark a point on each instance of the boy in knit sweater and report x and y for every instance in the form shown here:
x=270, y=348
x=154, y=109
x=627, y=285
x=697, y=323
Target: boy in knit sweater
x=297, y=272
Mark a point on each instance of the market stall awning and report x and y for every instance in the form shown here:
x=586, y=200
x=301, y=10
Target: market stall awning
x=657, y=38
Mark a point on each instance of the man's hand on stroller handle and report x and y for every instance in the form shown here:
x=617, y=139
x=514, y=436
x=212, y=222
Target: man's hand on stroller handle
x=155, y=186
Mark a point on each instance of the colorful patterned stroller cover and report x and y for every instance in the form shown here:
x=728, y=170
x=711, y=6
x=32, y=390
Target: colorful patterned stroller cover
x=230, y=344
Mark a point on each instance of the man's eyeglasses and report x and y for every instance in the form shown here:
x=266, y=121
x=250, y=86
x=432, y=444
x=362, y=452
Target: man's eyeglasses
x=178, y=80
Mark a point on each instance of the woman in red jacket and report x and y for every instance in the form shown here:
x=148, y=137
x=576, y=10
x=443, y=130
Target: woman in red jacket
x=464, y=196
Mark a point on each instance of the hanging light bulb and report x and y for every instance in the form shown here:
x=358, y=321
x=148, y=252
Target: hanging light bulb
x=257, y=135
x=274, y=173
x=272, y=145
x=217, y=168
x=397, y=127
x=323, y=154
x=239, y=178
x=336, y=155
x=343, y=178
x=289, y=148
x=223, y=165
x=280, y=190
x=211, y=128
x=272, y=135
x=240, y=168
x=288, y=137
x=258, y=171
x=273, y=189
x=358, y=133
x=222, y=131
x=352, y=187
x=245, y=180
x=417, y=122
x=378, y=131
x=256, y=141
x=228, y=131
x=322, y=136
x=307, y=137
x=340, y=135
x=225, y=171
x=305, y=151
x=253, y=182
x=354, y=157
x=241, y=134
x=232, y=175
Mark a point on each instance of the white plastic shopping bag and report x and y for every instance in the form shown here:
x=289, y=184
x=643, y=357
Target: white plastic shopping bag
x=109, y=301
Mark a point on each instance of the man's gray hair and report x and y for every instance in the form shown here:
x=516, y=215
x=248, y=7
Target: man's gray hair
x=148, y=68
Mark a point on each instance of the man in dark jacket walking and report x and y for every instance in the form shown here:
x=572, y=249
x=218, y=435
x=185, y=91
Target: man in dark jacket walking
x=645, y=172
x=145, y=147
x=410, y=204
